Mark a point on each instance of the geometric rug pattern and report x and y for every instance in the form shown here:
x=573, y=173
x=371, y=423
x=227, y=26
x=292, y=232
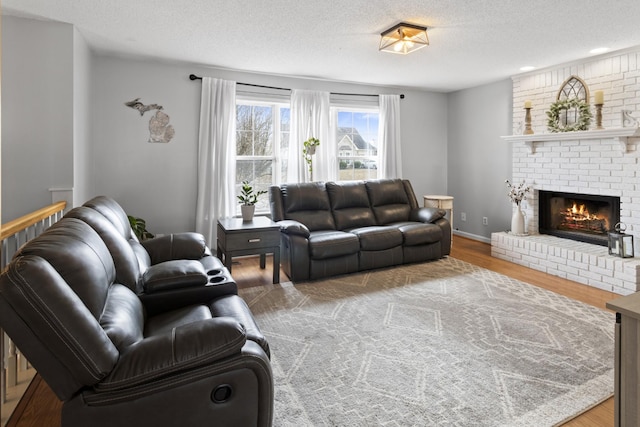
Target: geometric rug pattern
x=442, y=343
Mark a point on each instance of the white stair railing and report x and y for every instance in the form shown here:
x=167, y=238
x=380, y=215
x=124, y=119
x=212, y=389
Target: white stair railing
x=13, y=235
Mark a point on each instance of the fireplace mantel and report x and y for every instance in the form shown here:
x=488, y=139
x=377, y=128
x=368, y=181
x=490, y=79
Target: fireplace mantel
x=620, y=134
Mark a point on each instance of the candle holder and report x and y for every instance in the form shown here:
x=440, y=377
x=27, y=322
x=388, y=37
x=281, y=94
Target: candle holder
x=527, y=122
x=599, y=116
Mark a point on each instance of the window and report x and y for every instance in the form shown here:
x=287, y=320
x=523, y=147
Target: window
x=262, y=140
x=262, y=143
x=356, y=135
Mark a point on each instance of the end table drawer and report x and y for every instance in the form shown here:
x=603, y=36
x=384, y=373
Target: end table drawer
x=265, y=239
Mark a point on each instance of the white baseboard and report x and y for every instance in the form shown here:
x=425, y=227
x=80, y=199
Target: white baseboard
x=472, y=236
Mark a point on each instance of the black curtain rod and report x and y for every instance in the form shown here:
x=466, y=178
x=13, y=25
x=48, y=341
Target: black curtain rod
x=194, y=77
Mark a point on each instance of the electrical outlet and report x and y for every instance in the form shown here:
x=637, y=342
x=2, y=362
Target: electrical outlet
x=463, y=216
x=485, y=220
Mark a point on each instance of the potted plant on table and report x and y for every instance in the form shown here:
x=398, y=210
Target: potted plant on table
x=248, y=199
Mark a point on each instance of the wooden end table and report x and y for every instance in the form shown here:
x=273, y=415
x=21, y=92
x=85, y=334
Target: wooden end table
x=259, y=236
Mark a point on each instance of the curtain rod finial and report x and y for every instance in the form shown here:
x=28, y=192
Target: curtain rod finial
x=194, y=77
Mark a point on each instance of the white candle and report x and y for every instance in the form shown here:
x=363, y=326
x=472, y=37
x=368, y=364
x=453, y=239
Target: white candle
x=599, y=97
x=527, y=104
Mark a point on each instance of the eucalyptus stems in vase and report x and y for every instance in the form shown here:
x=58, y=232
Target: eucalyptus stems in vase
x=517, y=193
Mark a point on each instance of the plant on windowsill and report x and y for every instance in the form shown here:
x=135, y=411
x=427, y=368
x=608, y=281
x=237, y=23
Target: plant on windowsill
x=248, y=199
x=139, y=227
x=308, y=150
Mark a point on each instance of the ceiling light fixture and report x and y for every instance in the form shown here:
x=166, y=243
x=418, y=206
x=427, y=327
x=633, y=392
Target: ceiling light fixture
x=403, y=38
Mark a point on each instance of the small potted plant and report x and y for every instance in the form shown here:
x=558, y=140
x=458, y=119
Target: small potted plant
x=308, y=150
x=248, y=199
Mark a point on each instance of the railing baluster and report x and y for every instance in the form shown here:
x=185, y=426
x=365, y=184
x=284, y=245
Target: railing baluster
x=12, y=236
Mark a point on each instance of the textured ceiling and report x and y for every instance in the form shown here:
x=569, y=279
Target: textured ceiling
x=472, y=41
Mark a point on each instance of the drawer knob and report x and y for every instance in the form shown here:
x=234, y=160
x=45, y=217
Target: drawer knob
x=254, y=240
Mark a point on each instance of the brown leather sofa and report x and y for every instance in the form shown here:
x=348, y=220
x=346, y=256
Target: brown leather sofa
x=342, y=227
x=201, y=360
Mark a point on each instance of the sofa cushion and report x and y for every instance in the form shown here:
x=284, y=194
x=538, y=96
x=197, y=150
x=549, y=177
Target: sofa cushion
x=389, y=200
x=377, y=238
x=417, y=233
x=123, y=317
x=165, y=322
x=308, y=203
x=350, y=205
x=329, y=244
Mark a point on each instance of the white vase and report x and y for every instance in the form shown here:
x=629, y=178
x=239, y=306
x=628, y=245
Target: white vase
x=517, y=221
x=247, y=212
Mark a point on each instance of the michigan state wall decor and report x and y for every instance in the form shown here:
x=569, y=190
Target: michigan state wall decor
x=159, y=128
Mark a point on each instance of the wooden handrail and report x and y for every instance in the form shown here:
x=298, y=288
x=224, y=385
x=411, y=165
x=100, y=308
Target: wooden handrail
x=25, y=221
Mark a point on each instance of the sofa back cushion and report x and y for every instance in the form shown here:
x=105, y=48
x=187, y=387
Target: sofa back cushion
x=350, y=205
x=80, y=256
x=52, y=326
x=389, y=200
x=308, y=203
x=114, y=213
x=125, y=259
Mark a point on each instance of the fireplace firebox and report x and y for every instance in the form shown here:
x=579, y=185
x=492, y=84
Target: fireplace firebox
x=582, y=217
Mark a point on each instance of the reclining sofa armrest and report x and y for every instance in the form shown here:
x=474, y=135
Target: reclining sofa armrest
x=185, y=347
x=291, y=227
x=169, y=247
x=427, y=215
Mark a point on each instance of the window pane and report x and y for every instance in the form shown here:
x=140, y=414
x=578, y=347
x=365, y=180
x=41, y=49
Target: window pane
x=285, y=127
x=254, y=130
x=357, y=149
x=243, y=118
x=258, y=173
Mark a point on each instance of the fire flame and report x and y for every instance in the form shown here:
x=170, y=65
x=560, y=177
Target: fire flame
x=578, y=214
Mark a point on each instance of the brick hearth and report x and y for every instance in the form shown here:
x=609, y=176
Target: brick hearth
x=581, y=262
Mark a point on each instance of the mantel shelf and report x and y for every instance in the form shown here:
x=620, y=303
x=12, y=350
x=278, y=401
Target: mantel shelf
x=620, y=134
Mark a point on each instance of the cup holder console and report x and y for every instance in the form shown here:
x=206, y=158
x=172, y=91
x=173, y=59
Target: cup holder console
x=217, y=276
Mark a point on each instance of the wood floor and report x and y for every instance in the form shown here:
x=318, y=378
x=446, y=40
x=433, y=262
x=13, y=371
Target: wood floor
x=39, y=407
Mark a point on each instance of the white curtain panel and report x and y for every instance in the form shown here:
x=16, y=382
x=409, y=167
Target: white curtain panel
x=390, y=157
x=216, y=156
x=310, y=118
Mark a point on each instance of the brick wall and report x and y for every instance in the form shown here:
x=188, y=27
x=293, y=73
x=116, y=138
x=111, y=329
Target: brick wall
x=617, y=74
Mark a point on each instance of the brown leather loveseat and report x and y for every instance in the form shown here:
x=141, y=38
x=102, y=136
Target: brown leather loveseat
x=342, y=227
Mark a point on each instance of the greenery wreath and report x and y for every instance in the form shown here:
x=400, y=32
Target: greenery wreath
x=553, y=121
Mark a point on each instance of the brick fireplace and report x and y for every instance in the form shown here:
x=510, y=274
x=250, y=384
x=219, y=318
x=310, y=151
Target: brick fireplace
x=600, y=163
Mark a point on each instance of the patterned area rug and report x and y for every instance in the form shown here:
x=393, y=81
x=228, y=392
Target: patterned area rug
x=443, y=343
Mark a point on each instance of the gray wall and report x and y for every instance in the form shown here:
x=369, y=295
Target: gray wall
x=478, y=160
x=83, y=179
x=37, y=113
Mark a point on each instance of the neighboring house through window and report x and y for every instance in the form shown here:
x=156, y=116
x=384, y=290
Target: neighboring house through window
x=356, y=135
